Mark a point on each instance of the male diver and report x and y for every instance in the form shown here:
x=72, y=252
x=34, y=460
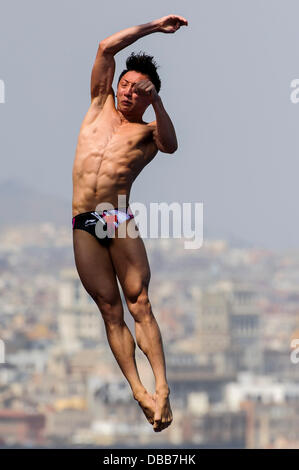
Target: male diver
x=114, y=145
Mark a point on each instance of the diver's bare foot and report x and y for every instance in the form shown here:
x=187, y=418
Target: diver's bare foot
x=163, y=414
x=147, y=403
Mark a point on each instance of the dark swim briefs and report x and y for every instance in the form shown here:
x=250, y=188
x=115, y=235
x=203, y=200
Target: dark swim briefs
x=108, y=221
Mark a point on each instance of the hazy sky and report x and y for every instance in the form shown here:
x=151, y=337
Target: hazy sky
x=225, y=84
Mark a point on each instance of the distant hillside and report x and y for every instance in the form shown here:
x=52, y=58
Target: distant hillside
x=22, y=204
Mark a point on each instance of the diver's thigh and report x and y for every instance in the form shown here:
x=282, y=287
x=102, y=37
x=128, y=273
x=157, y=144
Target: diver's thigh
x=94, y=266
x=131, y=264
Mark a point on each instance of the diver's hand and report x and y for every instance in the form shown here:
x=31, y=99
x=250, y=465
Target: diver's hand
x=171, y=23
x=146, y=88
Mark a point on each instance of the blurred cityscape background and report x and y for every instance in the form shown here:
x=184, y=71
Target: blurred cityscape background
x=227, y=312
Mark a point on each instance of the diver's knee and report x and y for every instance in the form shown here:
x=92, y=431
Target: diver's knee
x=140, y=307
x=111, y=309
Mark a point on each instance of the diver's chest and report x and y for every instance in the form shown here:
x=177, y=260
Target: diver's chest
x=107, y=134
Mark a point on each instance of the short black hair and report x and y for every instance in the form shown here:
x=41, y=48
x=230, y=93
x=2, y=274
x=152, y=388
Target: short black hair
x=145, y=64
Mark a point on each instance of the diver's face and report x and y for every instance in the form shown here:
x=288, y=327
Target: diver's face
x=127, y=98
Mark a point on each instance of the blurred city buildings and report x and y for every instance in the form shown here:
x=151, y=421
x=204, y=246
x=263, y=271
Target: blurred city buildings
x=227, y=315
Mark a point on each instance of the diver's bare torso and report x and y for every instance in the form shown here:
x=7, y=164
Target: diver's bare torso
x=109, y=156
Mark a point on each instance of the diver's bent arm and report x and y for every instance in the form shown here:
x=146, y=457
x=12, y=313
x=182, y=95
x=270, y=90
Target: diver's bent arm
x=164, y=132
x=125, y=37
